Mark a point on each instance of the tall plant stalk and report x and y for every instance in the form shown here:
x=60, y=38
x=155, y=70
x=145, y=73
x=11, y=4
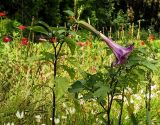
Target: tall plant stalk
x=55, y=60
x=121, y=109
x=148, y=99
x=113, y=85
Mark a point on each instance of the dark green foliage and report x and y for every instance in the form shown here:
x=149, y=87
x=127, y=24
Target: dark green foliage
x=101, y=13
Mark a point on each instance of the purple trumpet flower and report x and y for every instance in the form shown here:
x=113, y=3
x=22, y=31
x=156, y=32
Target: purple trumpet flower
x=120, y=52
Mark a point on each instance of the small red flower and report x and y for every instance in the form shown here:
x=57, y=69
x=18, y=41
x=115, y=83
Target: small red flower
x=80, y=43
x=21, y=27
x=88, y=43
x=24, y=41
x=151, y=37
x=2, y=14
x=6, y=39
x=53, y=40
x=142, y=43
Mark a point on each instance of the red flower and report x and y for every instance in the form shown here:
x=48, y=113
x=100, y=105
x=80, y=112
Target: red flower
x=6, y=39
x=2, y=14
x=88, y=43
x=151, y=37
x=142, y=43
x=24, y=41
x=21, y=27
x=80, y=43
x=53, y=40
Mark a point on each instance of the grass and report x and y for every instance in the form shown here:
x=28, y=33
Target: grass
x=26, y=79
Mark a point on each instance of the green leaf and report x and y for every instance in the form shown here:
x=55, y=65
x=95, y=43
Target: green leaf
x=61, y=31
x=102, y=91
x=88, y=95
x=44, y=24
x=148, y=65
x=69, y=12
x=138, y=73
x=70, y=71
x=61, y=86
x=76, y=87
x=38, y=29
x=71, y=44
x=47, y=56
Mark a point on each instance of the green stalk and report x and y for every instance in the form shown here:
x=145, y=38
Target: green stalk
x=88, y=27
x=121, y=110
x=148, y=99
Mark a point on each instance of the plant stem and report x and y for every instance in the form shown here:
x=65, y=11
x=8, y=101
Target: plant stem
x=121, y=110
x=148, y=99
x=56, y=54
x=113, y=85
x=54, y=75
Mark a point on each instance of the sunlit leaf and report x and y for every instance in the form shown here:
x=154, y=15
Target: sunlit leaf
x=62, y=84
x=69, y=12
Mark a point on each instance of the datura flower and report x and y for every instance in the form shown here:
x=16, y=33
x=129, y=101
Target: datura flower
x=120, y=52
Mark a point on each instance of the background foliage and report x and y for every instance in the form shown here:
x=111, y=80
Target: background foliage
x=51, y=11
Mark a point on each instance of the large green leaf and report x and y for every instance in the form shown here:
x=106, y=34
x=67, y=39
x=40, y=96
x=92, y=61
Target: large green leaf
x=44, y=24
x=102, y=90
x=76, y=87
x=69, y=12
x=38, y=29
x=61, y=86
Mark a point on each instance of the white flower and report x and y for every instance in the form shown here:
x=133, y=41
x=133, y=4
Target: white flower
x=38, y=118
x=67, y=112
x=153, y=95
x=20, y=115
x=141, y=91
x=126, y=117
x=81, y=101
x=56, y=120
x=72, y=110
x=80, y=96
x=129, y=89
x=105, y=116
x=153, y=87
x=12, y=123
x=99, y=121
x=131, y=100
x=93, y=112
x=64, y=105
x=9, y=123
x=43, y=124
x=64, y=117
x=138, y=97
